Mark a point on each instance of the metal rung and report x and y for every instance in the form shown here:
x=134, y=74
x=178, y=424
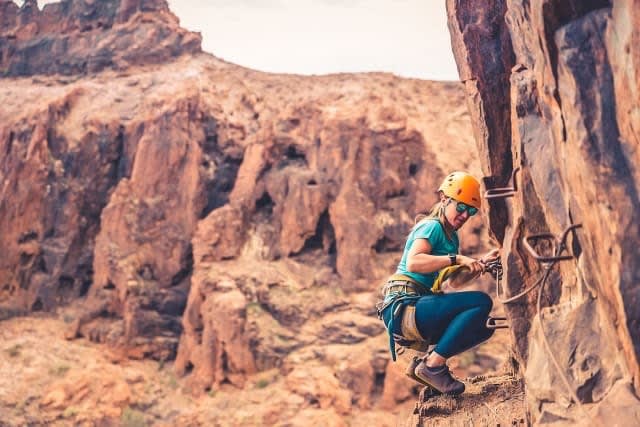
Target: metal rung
x=528, y=241
x=560, y=244
x=503, y=192
x=491, y=323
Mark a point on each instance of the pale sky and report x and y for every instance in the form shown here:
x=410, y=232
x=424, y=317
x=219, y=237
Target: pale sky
x=405, y=37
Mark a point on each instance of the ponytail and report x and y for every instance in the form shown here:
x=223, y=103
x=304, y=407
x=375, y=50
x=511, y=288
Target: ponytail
x=434, y=212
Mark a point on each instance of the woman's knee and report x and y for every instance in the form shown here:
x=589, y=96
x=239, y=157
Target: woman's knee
x=483, y=300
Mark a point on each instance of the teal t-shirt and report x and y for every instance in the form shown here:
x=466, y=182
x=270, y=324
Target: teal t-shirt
x=432, y=230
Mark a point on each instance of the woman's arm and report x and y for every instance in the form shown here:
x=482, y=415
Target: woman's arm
x=420, y=259
x=464, y=276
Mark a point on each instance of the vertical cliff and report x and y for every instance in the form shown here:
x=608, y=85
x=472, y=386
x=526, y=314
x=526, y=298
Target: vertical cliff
x=552, y=88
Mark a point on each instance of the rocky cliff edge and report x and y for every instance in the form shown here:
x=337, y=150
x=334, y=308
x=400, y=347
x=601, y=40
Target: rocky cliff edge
x=87, y=36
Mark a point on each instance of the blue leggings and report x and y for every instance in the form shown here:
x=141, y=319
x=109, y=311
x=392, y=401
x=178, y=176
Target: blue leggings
x=455, y=321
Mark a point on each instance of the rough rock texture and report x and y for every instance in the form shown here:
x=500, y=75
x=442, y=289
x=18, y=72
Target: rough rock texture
x=487, y=401
x=47, y=380
x=73, y=37
x=237, y=221
x=187, y=190
x=566, y=115
x=122, y=195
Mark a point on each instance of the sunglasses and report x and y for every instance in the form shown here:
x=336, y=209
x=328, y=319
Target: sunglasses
x=461, y=207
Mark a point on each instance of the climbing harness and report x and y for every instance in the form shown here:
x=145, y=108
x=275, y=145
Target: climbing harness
x=402, y=292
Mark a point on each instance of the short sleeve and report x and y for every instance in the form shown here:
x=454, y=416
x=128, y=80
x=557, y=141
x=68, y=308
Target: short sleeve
x=430, y=230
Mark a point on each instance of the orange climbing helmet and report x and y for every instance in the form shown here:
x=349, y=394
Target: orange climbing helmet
x=462, y=187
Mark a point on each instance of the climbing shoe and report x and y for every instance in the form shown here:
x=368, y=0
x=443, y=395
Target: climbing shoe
x=411, y=373
x=439, y=378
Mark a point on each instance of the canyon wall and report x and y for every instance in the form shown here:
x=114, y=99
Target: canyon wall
x=173, y=206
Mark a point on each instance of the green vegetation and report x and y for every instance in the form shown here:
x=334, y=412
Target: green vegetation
x=59, y=370
x=254, y=308
x=70, y=411
x=338, y=292
x=132, y=418
x=262, y=383
x=172, y=382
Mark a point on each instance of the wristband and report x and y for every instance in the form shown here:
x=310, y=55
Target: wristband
x=452, y=259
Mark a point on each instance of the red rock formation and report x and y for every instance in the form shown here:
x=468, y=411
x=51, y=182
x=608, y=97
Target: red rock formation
x=323, y=188
x=563, y=114
x=236, y=220
x=86, y=36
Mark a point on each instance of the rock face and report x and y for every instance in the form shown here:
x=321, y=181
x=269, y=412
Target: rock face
x=553, y=91
x=236, y=221
x=73, y=37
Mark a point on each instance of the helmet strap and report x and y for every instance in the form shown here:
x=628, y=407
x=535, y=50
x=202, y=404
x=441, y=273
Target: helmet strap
x=448, y=228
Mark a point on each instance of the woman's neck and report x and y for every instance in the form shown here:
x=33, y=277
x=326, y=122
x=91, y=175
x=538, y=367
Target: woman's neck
x=448, y=229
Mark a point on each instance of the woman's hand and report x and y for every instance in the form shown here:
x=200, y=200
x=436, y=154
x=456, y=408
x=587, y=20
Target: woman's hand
x=472, y=264
x=462, y=276
x=492, y=255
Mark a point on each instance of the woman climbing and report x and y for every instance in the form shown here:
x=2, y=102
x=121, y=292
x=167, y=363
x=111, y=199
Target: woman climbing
x=415, y=311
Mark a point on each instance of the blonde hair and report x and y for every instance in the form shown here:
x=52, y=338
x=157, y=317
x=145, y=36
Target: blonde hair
x=436, y=212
